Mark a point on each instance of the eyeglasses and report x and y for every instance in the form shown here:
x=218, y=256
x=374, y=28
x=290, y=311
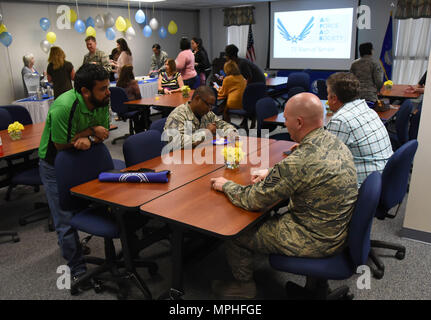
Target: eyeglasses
x=211, y=106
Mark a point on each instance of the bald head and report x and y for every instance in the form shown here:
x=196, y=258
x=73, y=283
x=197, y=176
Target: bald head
x=303, y=113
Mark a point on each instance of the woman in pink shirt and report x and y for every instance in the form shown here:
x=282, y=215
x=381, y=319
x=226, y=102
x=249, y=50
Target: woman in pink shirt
x=185, y=62
x=125, y=57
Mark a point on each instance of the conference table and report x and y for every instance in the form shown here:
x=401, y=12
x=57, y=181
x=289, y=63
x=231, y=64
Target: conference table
x=398, y=91
x=276, y=81
x=172, y=100
x=124, y=198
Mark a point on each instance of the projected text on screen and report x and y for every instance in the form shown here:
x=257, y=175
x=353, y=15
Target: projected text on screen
x=324, y=34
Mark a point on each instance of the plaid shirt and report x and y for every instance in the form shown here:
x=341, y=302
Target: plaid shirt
x=361, y=129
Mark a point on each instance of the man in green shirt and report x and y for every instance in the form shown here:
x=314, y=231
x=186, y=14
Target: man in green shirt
x=76, y=119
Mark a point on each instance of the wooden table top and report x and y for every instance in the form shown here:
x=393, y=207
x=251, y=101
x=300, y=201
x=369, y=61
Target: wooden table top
x=277, y=81
x=30, y=140
x=132, y=195
x=384, y=116
x=398, y=91
x=208, y=210
x=172, y=100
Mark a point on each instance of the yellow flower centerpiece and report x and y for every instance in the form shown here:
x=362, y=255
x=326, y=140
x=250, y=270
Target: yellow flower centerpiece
x=15, y=130
x=185, y=90
x=388, y=85
x=233, y=155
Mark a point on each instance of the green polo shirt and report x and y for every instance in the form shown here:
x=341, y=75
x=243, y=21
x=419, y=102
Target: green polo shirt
x=62, y=121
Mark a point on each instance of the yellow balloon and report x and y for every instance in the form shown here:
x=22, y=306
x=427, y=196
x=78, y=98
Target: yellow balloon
x=128, y=23
x=120, y=24
x=3, y=28
x=172, y=27
x=51, y=37
x=90, y=31
x=72, y=16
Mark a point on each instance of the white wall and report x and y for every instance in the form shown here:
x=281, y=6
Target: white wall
x=22, y=21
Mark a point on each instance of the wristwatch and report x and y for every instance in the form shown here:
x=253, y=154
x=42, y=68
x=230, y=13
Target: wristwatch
x=92, y=139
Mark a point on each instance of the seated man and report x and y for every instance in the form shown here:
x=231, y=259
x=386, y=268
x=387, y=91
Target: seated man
x=319, y=177
x=358, y=126
x=188, y=118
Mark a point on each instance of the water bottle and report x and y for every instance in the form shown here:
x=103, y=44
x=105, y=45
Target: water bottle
x=1, y=147
x=39, y=94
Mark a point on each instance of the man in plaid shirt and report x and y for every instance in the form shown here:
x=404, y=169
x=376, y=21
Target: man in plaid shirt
x=358, y=126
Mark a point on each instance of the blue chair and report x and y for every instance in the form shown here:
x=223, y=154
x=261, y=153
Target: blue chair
x=118, y=97
x=414, y=123
x=294, y=91
x=395, y=180
x=340, y=266
x=158, y=125
x=19, y=113
x=265, y=108
x=401, y=125
x=318, y=87
x=297, y=79
x=252, y=93
x=142, y=147
x=95, y=220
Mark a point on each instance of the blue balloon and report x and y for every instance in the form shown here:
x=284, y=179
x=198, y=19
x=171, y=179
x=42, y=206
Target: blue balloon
x=80, y=26
x=110, y=33
x=140, y=16
x=44, y=24
x=147, y=31
x=90, y=22
x=162, y=32
x=6, y=38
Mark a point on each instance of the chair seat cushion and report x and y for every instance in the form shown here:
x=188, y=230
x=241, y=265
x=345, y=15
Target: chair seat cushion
x=336, y=267
x=281, y=136
x=96, y=221
x=130, y=114
x=119, y=164
x=28, y=177
x=240, y=112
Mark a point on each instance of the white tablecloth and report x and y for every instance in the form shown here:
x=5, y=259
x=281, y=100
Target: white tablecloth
x=38, y=109
x=148, y=88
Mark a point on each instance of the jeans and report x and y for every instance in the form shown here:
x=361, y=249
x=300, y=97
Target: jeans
x=68, y=238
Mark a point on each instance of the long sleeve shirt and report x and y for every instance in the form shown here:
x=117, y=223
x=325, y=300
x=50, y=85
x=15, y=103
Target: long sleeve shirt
x=185, y=62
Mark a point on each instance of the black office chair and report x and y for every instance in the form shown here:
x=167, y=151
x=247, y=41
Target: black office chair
x=402, y=122
x=265, y=108
x=297, y=79
x=395, y=178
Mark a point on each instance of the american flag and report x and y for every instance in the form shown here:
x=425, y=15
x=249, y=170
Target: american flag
x=250, y=46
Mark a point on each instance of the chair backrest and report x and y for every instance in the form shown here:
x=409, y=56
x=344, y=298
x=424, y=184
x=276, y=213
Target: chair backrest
x=118, y=97
x=18, y=113
x=5, y=119
x=294, y=91
x=158, y=125
x=74, y=167
x=299, y=79
x=318, y=87
x=395, y=177
x=265, y=107
x=252, y=93
x=403, y=120
x=142, y=147
x=414, y=123
x=362, y=218
x=197, y=83
x=32, y=82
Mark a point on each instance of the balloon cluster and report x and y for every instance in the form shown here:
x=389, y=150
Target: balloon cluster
x=153, y=25
x=5, y=36
x=50, y=38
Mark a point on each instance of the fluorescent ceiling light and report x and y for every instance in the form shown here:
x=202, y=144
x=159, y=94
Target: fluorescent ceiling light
x=146, y=0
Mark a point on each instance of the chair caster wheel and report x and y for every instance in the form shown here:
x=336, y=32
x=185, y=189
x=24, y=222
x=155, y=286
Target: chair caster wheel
x=98, y=287
x=86, y=250
x=15, y=239
x=153, y=270
x=400, y=255
x=22, y=222
x=378, y=274
x=74, y=291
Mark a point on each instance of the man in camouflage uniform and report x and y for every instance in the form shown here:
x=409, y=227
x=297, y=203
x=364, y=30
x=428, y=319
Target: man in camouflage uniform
x=188, y=118
x=369, y=73
x=95, y=55
x=319, y=177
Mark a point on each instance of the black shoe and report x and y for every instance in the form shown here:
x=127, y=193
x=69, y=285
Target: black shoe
x=80, y=285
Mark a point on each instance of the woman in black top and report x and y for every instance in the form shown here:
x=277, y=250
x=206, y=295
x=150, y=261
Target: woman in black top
x=60, y=72
x=202, y=64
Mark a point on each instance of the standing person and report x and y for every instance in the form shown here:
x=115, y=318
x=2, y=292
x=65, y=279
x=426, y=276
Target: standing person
x=60, y=72
x=170, y=81
x=232, y=89
x=318, y=177
x=249, y=70
x=113, y=57
x=96, y=56
x=28, y=60
x=125, y=57
x=202, y=63
x=78, y=118
x=127, y=81
x=158, y=60
x=368, y=72
x=357, y=125
x=185, y=62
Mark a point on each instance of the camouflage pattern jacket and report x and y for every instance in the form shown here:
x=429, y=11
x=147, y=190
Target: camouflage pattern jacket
x=99, y=57
x=185, y=121
x=370, y=75
x=319, y=177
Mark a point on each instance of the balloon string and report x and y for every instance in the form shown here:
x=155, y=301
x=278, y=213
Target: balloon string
x=77, y=8
x=128, y=5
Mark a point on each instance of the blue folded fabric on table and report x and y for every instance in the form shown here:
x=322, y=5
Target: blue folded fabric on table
x=144, y=177
x=44, y=97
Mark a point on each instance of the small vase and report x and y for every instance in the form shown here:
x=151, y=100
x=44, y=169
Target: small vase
x=185, y=94
x=15, y=135
x=232, y=165
x=388, y=87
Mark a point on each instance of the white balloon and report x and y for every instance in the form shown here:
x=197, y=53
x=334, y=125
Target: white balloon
x=154, y=24
x=1, y=18
x=45, y=46
x=109, y=20
x=99, y=21
x=130, y=33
